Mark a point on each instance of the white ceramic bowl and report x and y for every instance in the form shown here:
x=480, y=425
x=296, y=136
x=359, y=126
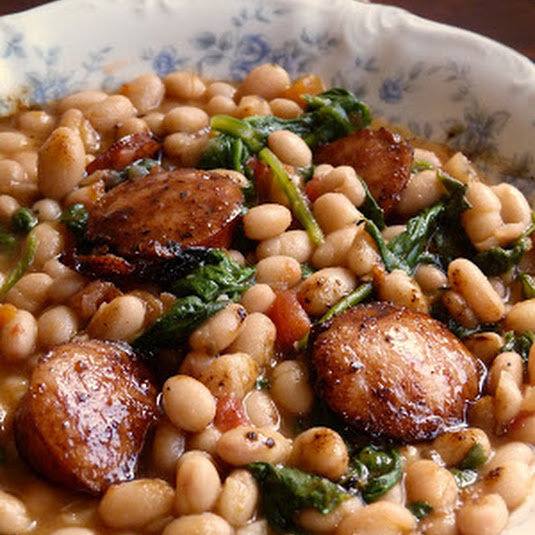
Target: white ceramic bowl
x=444, y=83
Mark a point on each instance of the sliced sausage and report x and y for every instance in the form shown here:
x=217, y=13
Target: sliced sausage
x=124, y=152
x=84, y=420
x=381, y=158
x=390, y=371
x=150, y=215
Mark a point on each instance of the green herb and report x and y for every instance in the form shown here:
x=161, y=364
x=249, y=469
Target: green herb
x=262, y=383
x=528, y=285
x=218, y=276
x=23, y=220
x=433, y=236
x=420, y=509
x=298, y=202
x=205, y=291
x=421, y=165
x=499, y=260
x=354, y=298
x=370, y=208
x=137, y=169
x=285, y=491
x=75, y=218
x=464, y=478
x=519, y=343
x=22, y=265
x=475, y=458
x=374, y=472
x=307, y=270
x=8, y=241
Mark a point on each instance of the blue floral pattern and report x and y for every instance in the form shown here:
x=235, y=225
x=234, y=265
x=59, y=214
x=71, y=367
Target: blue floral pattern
x=228, y=39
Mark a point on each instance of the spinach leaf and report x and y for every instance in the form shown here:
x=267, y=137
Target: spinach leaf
x=433, y=236
x=475, y=458
x=8, y=240
x=354, y=298
x=75, y=218
x=370, y=208
x=329, y=116
x=202, y=293
x=374, y=472
x=519, y=343
x=24, y=219
x=420, y=509
x=219, y=275
x=528, y=285
x=298, y=202
x=464, y=478
x=499, y=260
x=22, y=265
x=286, y=490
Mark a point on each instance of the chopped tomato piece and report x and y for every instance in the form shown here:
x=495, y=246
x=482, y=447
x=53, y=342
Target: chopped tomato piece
x=290, y=318
x=229, y=413
x=310, y=84
x=314, y=188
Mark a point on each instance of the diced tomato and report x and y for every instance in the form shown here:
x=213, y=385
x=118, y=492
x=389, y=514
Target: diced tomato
x=310, y=84
x=7, y=313
x=314, y=188
x=229, y=413
x=290, y=318
x=263, y=177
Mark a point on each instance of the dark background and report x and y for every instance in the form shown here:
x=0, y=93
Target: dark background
x=511, y=22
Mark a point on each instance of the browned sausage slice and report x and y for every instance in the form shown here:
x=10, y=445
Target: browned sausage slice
x=84, y=420
x=394, y=372
x=124, y=152
x=382, y=159
x=145, y=216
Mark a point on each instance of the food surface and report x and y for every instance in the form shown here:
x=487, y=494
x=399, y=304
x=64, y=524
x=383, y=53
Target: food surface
x=251, y=308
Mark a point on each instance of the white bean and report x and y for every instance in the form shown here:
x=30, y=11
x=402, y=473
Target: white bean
x=108, y=113
x=290, y=148
x=521, y=317
x=188, y=403
x=280, y=272
x=426, y=481
x=399, y=288
x=485, y=516
x=134, y=504
x=324, y=288
x=256, y=338
x=57, y=325
x=61, y=163
x=378, y=518
x=293, y=243
x=30, y=292
x=201, y=524
x=258, y=298
x=266, y=221
x=467, y=279
x=232, y=373
x=197, y=484
x=322, y=451
x=453, y=446
x=18, y=336
x=335, y=248
x=290, y=387
x=423, y=189
x=246, y=444
x=267, y=80
x=507, y=400
x=511, y=480
x=508, y=361
x=120, y=319
x=145, y=92
x=334, y=211
x=167, y=447
x=14, y=517
x=184, y=85
x=219, y=331
x=238, y=498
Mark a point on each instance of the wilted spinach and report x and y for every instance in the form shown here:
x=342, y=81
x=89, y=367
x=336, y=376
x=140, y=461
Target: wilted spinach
x=285, y=491
x=208, y=289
